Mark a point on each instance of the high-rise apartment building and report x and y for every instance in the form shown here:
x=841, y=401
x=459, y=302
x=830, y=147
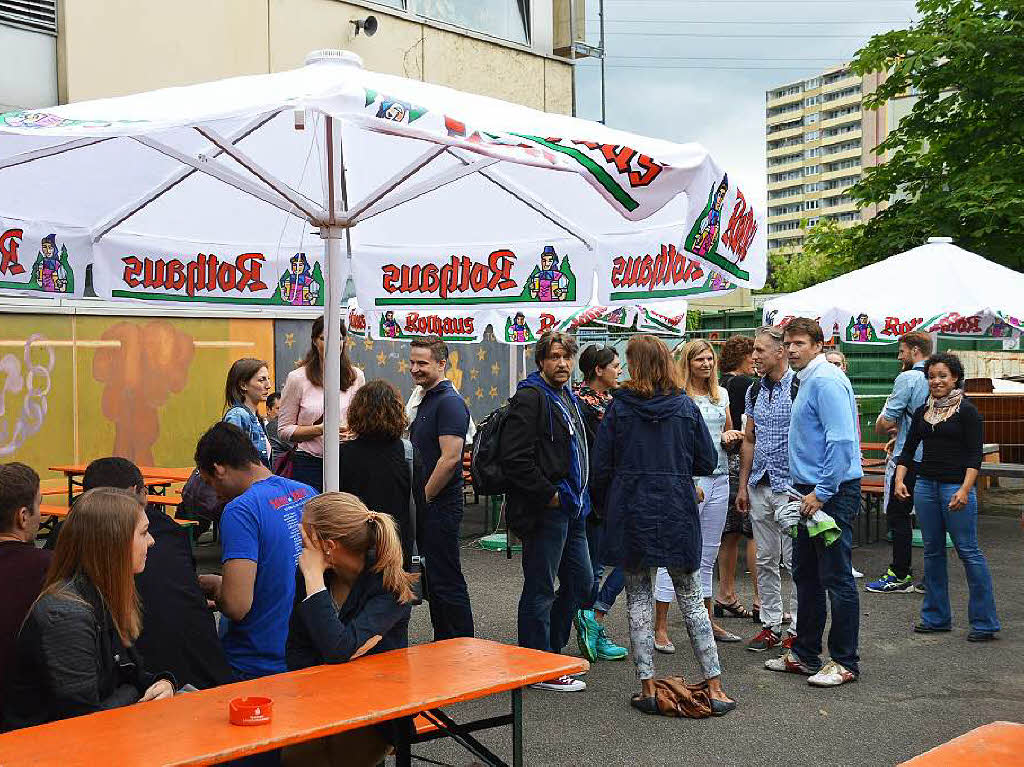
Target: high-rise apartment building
x=819, y=141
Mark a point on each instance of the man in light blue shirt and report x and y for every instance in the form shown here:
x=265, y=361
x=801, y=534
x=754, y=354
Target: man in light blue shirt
x=824, y=464
x=909, y=392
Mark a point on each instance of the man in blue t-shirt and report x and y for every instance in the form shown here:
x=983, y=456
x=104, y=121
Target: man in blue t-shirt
x=439, y=433
x=261, y=540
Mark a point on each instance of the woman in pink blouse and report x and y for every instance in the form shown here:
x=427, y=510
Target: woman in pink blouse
x=301, y=419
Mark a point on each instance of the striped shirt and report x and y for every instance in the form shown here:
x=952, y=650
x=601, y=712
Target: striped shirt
x=770, y=415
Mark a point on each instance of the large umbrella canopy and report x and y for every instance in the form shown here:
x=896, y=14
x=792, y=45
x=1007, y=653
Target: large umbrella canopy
x=271, y=189
x=936, y=288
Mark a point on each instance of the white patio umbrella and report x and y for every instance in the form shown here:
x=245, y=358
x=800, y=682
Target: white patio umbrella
x=936, y=288
x=439, y=201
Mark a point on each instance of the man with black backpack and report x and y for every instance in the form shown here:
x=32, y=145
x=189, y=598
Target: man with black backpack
x=764, y=476
x=543, y=448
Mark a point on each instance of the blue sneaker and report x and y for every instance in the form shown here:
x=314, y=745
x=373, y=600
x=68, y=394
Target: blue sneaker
x=587, y=630
x=606, y=648
x=890, y=584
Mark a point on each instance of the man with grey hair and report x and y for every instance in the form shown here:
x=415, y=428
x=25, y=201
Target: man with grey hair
x=764, y=476
x=544, y=455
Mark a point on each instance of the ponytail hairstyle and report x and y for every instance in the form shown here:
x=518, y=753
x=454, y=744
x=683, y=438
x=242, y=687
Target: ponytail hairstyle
x=344, y=518
x=594, y=357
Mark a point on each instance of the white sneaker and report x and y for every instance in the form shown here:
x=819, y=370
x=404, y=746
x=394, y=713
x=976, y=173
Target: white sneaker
x=857, y=573
x=832, y=674
x=561, y=684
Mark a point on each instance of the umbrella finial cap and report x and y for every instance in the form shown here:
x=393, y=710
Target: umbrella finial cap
x=334, y=56
x=937, y=240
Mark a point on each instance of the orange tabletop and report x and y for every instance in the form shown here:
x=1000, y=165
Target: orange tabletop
x=999, y=744
x=52, y=510
x=148, y=472
x=193, y=728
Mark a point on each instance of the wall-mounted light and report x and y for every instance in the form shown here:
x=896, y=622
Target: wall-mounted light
x=367, y=25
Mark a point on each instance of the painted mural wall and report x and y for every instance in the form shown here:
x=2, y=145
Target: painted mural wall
x=78, y=387
x=74, y=387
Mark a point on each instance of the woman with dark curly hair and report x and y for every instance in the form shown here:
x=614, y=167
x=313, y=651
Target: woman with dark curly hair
x=373, y=465
x=951, y=430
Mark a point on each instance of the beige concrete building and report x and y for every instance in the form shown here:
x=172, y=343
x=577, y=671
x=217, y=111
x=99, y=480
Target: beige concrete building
x=819, y=141
x=60, y=51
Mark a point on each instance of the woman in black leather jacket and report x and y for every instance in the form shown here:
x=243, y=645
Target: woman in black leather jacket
x=75, y=651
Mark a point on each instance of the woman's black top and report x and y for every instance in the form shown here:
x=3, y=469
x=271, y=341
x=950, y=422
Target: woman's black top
x=375, y=471
x=737, y=386
x=70, y=661
x=950, y=448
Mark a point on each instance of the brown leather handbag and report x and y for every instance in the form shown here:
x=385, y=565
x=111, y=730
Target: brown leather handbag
x=677, y=698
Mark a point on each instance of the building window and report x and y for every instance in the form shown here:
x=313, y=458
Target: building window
x=37, y=16
x=507, y=19
x=812, y=170
x=814, y=151
x=810, y=85
x=812, y=118
x=810, y=204
x=810, y=101
x=812, y=135
x=814, y=186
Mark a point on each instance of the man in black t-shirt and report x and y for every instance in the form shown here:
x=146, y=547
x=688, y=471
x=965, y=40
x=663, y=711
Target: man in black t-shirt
x=439, y=434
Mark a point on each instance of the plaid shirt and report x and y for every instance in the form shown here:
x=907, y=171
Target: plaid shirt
x=771, y=431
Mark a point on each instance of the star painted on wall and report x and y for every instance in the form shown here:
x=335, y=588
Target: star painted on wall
x=403, y=366
x=368, y=344
x=479, y=392
x=495, y=369
x=289, y=340
x=481, y=354
x=381, y=358
x=494, y=391
x=474, y=374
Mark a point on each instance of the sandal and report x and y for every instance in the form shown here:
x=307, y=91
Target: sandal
x=642, y=703
x=726, y=636
x=755, y=613
x=734, y=608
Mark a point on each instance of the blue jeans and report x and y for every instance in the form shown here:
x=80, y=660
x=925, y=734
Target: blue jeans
x=556, y=547
x=931, y=501
x=308, y=469
x=819, y=569
x=451, y=614
x=602, y=596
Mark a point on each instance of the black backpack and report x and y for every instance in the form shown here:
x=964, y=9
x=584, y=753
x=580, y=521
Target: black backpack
x=485, y=468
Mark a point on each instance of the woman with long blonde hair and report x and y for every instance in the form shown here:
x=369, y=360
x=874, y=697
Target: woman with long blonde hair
x=75, y=652
x=698, y=371
x=352, y=598
x=651, y=443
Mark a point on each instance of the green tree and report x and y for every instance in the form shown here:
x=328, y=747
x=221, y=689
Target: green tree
x=955, y=164
x=826, y=254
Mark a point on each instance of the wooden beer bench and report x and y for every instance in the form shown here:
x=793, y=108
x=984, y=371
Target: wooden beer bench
x=154, y=477
x=193, y=728
x=59, y=512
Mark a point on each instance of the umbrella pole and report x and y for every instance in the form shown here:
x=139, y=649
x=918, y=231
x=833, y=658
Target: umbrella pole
x=334, y=289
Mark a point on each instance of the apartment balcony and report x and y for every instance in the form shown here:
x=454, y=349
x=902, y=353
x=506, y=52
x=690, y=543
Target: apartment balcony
x=846, y=154
x=846, y=207
x=796, y=131
x=783, y=217
x=847, y=82
x=784, y=150
x=783, y=100
x=786, y=166
x=839, y=138
x=826, y=194
x=784, y=117
x=774, y=186
x=842, y=173
x=786, y=234
x=841, y=120
x=845, y=101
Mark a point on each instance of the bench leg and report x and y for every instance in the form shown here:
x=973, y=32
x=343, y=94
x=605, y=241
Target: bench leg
x=403, y=750
x=517, y=728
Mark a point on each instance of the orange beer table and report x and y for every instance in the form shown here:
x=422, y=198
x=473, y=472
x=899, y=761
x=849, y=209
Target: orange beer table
x=153, y=476
x=193, y=728
x=999, y=744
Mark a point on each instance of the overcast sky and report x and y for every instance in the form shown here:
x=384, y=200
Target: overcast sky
x=697, y=70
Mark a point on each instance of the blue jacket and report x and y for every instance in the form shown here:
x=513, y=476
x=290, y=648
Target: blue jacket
x=647, y=454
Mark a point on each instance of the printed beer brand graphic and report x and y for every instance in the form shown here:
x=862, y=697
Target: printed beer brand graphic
x=405, y=326
x=707, y=233
x=668, y=274
x=860, y=330
x=51, y=272
x=393, y=109
x=301, y=286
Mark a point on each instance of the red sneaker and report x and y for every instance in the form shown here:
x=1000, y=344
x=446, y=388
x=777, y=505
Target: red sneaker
x=787, y=643
x=766, y=640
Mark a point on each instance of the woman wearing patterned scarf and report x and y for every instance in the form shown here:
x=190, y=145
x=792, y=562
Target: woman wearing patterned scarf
x=951, y=429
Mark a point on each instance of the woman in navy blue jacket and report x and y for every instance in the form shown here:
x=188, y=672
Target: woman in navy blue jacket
x=651, y=444
x=352, y=599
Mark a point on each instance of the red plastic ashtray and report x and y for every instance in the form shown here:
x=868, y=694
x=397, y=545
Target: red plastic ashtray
x=247, y=712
